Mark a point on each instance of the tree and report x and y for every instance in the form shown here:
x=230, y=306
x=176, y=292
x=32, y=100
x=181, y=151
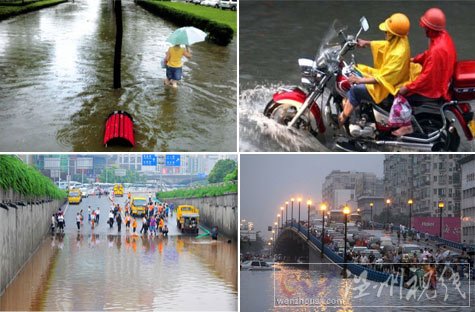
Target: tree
x=221, y=169
x=232, y=176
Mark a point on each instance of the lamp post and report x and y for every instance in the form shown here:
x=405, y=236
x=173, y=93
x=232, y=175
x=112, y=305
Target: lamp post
x=441, y=206
x=292, y=212
x=371, y=206
x=278, y=217
x=282, y=216
x=323, y=207
x=299, y=199
x=276, y=227
x=286, y=212
x=388, y=202
x=410, y=202
x=346, y=212
x=309, y=202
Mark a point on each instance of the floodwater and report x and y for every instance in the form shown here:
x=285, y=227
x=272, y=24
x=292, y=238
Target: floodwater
x=56, y=78
x=103, y=269
x=111, y=272
x=274, y=34
x=280, y=290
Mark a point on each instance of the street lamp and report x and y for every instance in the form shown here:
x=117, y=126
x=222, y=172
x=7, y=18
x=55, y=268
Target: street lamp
x=323, y=207
x=371, y=206
x=410, y=202
x=292, y=212
x=286, y=212
x=346, y=212
x=282, y=214
x=309, y=202
x=388, y=202
x=276, y=226
x=299, y=199
x=441, y=206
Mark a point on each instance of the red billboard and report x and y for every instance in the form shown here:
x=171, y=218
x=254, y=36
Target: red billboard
x=451, y=227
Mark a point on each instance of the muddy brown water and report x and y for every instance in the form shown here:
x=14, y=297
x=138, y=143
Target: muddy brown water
x=56, y=83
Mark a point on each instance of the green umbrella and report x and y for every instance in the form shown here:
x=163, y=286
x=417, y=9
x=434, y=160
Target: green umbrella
x=187, y=36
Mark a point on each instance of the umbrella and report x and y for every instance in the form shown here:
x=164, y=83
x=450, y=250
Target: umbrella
x=187, y=36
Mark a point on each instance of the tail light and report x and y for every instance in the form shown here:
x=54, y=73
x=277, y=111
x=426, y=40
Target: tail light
x=465, y=107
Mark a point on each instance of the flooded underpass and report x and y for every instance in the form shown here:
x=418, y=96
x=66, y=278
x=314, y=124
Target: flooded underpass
x=102, y=269
x=56, y=74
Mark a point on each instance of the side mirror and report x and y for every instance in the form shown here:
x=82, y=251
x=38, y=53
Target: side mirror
x=364, y=23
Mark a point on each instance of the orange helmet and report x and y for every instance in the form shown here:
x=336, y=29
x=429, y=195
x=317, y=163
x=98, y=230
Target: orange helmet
x=397, y=24
x=433, y=19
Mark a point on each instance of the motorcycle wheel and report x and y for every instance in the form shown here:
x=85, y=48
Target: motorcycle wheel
x=450, y=142
x=280, y=113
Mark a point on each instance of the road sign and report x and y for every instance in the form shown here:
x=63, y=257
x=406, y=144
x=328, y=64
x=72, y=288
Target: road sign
x=149, y=160
x=52, y=162
x=84, y=163
x=172, y=160
x=120, y=172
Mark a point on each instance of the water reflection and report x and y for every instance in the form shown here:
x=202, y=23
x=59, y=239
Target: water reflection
x=96, y=272
x=322, y=289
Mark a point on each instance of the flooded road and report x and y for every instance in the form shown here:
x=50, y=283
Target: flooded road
x=56, y=83
x=274, y=34
x=103, y=269
x=274, y=291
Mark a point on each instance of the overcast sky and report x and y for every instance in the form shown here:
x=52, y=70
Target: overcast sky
x=267, y=181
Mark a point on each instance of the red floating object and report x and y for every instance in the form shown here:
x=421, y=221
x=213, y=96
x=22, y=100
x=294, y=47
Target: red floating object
x=119, y=129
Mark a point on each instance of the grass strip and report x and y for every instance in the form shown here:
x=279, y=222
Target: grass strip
x=26, y=180
x=221, y=25
x=7, y=11
x=206, y=191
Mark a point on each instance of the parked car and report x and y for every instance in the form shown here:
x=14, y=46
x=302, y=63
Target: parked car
x=256, y=265
x=197, y=1
x=228, y=4
x=211, y=3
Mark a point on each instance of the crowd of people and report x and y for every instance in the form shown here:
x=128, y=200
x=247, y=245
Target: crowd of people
x=154, y=221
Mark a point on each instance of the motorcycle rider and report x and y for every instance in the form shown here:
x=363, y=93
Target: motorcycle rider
x=438, y=63
x=391, y=70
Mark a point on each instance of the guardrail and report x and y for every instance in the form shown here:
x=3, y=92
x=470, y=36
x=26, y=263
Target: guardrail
x=354, y=268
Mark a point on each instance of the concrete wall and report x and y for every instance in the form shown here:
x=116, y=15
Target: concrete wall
x=221, y=211
x=21, y=232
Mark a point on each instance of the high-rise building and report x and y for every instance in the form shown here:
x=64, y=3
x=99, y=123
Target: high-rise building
x=344, y=187
x=426, y=179
x=467, y=165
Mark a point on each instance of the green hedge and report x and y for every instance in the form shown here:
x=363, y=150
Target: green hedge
x=7, y=11
x=219, y=33
x=207, y=191
x=26, y=180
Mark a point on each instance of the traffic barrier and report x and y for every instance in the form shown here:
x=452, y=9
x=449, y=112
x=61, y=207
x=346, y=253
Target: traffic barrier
x=119, y=129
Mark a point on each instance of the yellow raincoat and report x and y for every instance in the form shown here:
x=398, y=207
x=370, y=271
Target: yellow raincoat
x=392, y=68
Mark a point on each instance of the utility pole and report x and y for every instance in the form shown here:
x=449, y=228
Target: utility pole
x=118, y=42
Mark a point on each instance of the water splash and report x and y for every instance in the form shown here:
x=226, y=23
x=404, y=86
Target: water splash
x=258, y=133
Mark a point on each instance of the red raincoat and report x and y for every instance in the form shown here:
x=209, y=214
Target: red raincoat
x=438, y=64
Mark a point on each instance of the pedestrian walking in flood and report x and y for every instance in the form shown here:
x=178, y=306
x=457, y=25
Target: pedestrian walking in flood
x=111, y=219
x=153, y=226
x=134, y=226
x=89, y=214
x=118, y=219
x=53, y=223
x=127, y=221
x=98, y=212
x=78, y=221
x=61, y=223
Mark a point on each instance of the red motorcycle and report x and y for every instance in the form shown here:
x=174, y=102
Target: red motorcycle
x=315, y=106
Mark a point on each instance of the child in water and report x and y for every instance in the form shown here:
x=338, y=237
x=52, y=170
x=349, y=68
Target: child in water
x=174, y=64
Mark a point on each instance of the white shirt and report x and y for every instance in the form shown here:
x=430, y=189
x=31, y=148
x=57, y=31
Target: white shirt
x=78, y=218
x=111, y=215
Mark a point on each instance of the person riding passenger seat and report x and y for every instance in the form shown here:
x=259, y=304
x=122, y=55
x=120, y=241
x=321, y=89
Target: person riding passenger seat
x=438, y=64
